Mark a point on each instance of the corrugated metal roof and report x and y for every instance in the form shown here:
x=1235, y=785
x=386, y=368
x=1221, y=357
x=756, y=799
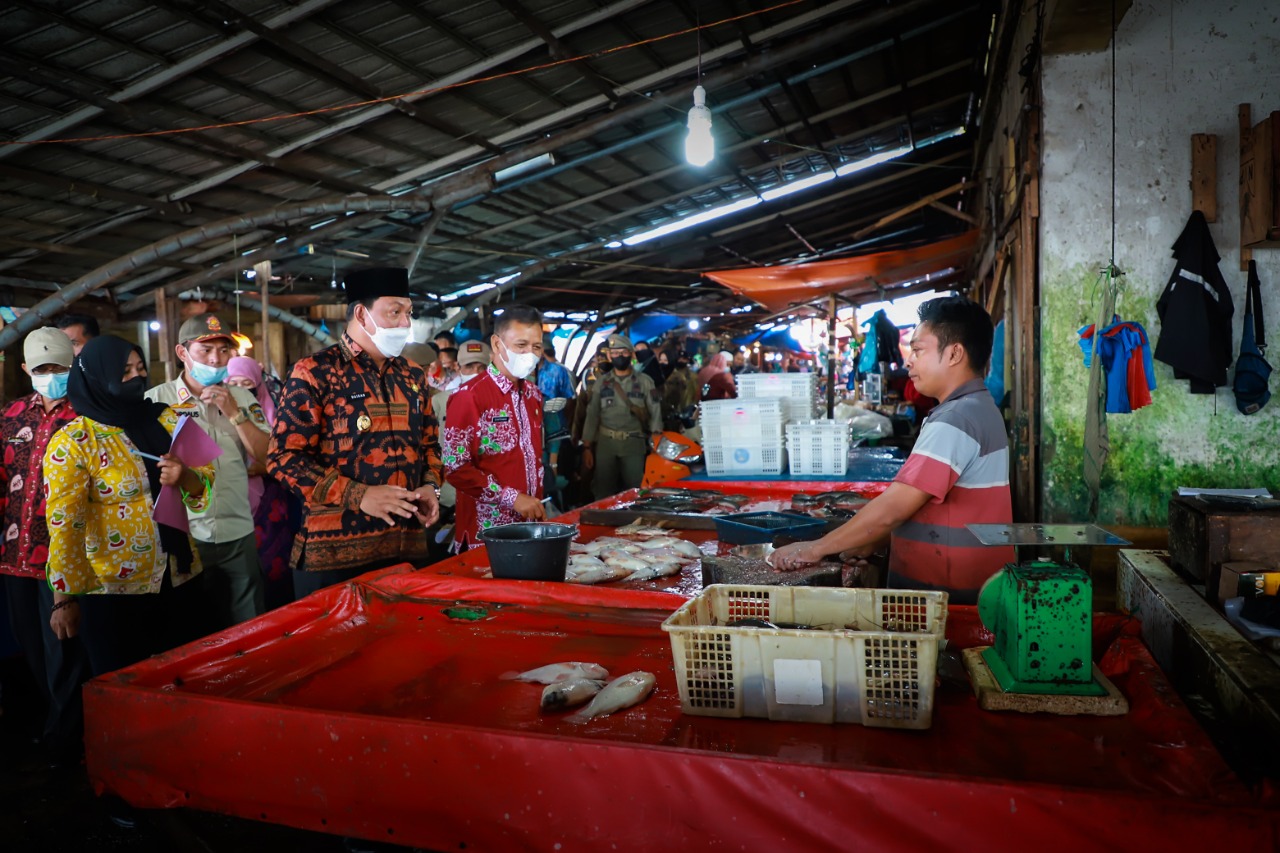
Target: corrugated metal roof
x=120, y=67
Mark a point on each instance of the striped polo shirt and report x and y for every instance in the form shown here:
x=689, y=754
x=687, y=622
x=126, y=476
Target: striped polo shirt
x=961, y=458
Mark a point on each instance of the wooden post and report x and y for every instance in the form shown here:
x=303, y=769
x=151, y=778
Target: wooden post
x=262, y=273
x=167, y=316
x=1204, y=175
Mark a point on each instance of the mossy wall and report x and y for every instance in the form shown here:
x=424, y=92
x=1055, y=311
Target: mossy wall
x=1182, y=68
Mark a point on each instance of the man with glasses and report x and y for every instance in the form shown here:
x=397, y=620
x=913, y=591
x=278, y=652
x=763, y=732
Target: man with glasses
x=59, y=666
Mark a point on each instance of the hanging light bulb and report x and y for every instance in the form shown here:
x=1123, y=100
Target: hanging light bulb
x=699, y=145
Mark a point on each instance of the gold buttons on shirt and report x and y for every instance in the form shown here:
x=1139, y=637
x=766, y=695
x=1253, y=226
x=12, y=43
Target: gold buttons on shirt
x=363, y=423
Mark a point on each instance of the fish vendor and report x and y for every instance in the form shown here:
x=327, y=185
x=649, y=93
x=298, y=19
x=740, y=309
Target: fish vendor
x=356, y=441
x=957, y=473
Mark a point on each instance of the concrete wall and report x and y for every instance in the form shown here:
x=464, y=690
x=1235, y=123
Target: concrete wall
x=1182, y=68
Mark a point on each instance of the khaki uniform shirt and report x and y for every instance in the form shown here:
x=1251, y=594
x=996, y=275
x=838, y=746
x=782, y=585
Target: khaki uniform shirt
x=228, y=517
x=609, y=409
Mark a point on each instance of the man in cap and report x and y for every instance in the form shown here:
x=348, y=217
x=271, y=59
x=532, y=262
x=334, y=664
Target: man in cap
x=59, y=665
x=233, y=417
x=493, y=433
x=473, y=359
x=355, y=439
x=624, y=411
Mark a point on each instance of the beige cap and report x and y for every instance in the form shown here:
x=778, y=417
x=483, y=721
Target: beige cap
x=620, y=342
x=473, y=352
x=422, y=355
x=204, y=327
x=47, y=345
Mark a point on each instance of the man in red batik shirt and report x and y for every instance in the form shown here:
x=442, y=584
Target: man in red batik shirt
x=59, y=665
x=492, y=439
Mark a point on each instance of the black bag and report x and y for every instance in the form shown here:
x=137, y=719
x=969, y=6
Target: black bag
x=1253, y=372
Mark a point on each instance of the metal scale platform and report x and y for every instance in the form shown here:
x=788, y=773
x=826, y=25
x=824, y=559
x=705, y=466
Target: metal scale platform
x=1041, y=613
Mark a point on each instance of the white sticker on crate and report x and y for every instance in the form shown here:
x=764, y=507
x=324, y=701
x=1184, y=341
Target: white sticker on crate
x=797, y=682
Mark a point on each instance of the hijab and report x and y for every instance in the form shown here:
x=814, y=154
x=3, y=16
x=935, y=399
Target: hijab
x=719, y=364
x=246, y=368
x=97, y=391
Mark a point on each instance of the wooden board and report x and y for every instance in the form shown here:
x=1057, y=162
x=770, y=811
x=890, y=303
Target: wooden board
x=1204, y=175
x=992, y=697
x=621, y=517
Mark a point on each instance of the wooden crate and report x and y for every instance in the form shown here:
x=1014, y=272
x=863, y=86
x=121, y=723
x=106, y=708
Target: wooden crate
x=1203, y=537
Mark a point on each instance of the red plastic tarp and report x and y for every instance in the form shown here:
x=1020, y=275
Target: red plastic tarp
x=367, y=710
x=782, y=287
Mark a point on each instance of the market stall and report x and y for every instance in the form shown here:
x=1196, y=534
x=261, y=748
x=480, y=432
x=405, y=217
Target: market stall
x=377, y=709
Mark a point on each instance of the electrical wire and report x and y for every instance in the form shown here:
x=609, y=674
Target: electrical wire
x=418, y=93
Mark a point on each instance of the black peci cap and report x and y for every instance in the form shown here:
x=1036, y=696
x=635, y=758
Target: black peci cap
x=376, y=281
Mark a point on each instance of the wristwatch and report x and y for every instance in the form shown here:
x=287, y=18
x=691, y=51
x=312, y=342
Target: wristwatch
x=240, y=417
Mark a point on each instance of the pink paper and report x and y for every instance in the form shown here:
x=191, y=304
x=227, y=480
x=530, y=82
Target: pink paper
x=193, y=447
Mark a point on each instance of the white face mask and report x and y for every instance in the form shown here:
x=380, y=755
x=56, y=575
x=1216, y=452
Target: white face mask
x=390, y=342
x=520, y=364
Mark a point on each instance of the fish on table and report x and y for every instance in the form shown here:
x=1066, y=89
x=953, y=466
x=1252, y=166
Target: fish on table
x=569, y=694
x=621, y=693
x=556, y=672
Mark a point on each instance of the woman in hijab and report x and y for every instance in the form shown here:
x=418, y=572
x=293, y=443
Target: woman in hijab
x=276, y=514
x=715, y=380
x=124, y=582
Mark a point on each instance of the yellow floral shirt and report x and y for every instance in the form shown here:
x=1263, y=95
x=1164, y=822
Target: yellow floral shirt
x=102, y=538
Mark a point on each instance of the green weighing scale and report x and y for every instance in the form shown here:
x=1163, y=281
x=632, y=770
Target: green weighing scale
x=1041, y=613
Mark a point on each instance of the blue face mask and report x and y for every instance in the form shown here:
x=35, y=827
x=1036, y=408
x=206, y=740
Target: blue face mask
x=51, y=386
x=206, y=375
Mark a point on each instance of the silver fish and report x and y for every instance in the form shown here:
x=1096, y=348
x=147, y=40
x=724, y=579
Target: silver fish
x=631, y=689
x=622, y=561
x=687, y=548
x=594, y=576
x=554, y=672
x=657, y=570
x=570, y=694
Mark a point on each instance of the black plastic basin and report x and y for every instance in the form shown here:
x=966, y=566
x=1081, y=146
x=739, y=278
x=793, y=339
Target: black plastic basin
x=529, y=550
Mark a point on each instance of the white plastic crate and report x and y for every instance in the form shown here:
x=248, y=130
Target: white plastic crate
x=870, y=656
x=789, y=385
x=733, y=421
x=743, y=457
x=818, y=447
x=798, y=392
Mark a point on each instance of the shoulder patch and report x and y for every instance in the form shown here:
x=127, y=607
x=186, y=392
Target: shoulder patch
x=255, y=412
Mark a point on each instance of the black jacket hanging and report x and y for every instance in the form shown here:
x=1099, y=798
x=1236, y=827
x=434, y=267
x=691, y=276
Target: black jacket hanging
x=1195, y=312
x=1253, y=373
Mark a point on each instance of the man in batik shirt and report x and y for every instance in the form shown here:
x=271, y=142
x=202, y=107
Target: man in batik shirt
x=492, y=447
x=355, y=439
x=59, y=666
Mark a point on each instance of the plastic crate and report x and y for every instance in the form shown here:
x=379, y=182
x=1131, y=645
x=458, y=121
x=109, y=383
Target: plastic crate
x=753, y=528
x=874, y=665
x=742, y=420
x=789, y=385
x=818, y=447
x=743, y=457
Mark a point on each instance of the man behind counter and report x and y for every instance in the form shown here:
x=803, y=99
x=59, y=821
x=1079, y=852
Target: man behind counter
x=957, y=473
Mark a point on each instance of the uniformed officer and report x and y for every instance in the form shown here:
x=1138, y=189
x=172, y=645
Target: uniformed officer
x=234, y=419
x=624, y=411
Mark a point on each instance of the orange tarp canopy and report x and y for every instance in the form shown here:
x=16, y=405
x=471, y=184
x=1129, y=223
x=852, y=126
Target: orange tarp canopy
x=779, y=288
